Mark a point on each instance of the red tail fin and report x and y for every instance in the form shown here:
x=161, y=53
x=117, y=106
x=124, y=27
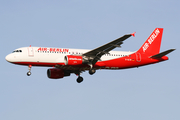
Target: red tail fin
x=153, y=43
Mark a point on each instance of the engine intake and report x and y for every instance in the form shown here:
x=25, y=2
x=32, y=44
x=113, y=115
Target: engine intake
x=55, y=73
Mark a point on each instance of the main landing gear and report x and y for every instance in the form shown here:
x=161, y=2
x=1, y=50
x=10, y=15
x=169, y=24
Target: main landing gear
x=29, y=72
x=92, y=71
x=79, y=79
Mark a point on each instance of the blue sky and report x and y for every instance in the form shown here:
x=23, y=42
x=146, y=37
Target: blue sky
x=149, y=92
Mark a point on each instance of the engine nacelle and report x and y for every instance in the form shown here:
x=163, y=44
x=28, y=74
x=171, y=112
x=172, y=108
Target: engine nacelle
x=55, y=73
x=73, y=60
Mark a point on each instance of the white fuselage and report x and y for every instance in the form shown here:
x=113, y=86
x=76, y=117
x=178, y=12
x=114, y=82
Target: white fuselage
x=54, y=55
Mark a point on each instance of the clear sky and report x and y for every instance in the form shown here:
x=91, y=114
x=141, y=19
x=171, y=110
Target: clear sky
x=146, y=93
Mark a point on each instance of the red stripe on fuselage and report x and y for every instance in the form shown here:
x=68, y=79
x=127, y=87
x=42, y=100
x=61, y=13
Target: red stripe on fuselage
x=119, y=63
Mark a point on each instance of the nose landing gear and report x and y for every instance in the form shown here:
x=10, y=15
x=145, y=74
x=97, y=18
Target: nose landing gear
x=29, y=72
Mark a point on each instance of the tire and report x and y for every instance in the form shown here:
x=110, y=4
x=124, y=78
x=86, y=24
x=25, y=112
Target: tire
x=92, y=71
x=28, y=73
x=79, y=79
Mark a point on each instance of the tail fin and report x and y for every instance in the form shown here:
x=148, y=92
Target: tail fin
x=153, y=43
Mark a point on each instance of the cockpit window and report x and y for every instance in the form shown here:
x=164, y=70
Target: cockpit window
x=17, y=51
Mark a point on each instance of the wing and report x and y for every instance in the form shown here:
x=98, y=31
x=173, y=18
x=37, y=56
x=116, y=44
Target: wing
x=95, y=54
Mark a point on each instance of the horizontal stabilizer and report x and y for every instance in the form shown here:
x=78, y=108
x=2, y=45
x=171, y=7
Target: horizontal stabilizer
x=162, y=54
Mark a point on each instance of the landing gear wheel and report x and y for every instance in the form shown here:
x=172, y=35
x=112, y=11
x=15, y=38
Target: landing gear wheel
x=28, y=73
x=79, y=79
x=92, y=71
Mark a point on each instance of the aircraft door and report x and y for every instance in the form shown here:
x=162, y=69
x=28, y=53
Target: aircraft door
x=30, y=52
x=138, y=57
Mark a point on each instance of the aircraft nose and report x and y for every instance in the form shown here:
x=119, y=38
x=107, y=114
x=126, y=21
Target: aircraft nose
x=8, y=58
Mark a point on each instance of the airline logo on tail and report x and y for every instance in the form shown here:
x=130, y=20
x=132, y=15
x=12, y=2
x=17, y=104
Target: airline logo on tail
x=151, y=39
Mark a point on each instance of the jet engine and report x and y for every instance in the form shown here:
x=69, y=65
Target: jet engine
x=73, y=60
x=55, y=73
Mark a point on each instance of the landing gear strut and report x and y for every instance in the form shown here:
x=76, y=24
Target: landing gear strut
x=29, y=72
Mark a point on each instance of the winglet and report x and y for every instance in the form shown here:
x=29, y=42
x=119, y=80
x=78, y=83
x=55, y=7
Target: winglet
x=133, y=34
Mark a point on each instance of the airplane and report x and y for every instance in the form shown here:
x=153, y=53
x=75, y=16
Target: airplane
x=66, y=61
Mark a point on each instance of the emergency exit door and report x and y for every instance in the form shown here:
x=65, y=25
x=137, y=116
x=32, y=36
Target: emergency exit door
x=30, y=52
